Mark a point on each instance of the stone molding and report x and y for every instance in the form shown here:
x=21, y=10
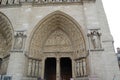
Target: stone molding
x=73, y=35
x=18, y=3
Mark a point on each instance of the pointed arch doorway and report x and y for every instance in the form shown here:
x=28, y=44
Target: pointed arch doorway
x=58, y=36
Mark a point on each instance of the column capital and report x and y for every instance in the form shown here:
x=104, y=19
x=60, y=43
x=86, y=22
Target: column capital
x=57, y=58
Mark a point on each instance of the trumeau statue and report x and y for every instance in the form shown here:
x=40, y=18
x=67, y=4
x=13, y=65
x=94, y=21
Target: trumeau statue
x=19, y=40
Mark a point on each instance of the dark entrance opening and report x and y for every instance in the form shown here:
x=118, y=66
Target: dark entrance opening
x=65, y=68
x=50, y=69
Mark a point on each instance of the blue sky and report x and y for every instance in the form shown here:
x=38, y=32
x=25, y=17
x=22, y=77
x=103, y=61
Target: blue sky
x=112, y=10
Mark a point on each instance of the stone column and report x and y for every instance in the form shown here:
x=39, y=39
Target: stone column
x=73, y=68
x=16, y=66
x=58, y=69
x=43, y=68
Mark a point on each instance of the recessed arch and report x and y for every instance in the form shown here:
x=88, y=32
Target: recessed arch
x=6, y=41
x=6, y=34
x=50, y=23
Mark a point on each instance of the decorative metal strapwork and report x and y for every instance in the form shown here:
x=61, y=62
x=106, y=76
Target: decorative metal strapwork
x=37, y=2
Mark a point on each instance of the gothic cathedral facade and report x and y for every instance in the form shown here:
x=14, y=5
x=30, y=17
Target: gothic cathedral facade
x=56, y=40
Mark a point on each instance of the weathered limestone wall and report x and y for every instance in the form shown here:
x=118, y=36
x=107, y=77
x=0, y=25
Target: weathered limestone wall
x=103, y=62
x=109, y=58
x=27, y=17
x=16, y=66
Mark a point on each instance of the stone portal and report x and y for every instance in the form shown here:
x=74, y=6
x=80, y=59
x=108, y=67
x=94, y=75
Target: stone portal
x=57, y=41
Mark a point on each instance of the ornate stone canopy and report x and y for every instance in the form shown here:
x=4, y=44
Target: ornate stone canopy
x=57, y=33
x=6, y=35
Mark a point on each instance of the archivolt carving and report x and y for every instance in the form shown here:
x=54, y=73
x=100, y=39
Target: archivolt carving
x=5, y=42
x=5, y=34
x=57, y=25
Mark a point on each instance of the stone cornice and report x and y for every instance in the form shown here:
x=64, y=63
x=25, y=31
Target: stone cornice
x=9, y=4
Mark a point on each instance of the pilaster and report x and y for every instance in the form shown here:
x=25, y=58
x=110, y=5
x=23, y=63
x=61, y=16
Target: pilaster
x=58, y=69
x=16, y=66
x=43, y=68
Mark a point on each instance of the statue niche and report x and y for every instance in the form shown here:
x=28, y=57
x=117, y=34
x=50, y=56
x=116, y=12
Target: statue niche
x=95, y=37
x=19, y=40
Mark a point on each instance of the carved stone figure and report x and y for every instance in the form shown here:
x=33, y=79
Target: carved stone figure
x=10, y=1
x=95, y=39
x=16, y=1
x=4, y=2
x=78, y=68
x=19, y=40
x=81, y=68
x=84, y=67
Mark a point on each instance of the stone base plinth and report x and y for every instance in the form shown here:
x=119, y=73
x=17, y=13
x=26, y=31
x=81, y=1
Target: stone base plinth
x=82, y=78
x=92, y=77
x=27, y=78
